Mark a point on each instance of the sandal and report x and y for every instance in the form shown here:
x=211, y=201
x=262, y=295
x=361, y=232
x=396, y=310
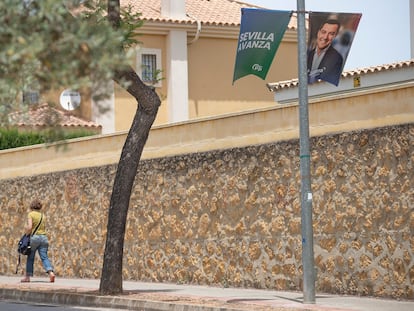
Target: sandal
x=52, y=278
x=25, y=280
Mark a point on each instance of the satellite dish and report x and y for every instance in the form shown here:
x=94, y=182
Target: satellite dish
x=70, y=100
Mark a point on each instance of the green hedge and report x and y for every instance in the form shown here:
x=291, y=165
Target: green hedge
x=12, y=138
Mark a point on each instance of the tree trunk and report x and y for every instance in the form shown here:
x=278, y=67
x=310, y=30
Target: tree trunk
x=148, y=103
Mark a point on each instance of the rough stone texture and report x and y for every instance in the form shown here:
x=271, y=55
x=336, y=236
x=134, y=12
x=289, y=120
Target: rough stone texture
x=233, y=217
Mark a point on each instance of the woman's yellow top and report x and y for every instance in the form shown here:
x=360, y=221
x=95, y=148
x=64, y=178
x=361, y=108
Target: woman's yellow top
x=35, y=216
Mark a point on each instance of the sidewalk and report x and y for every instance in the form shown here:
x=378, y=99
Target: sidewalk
x=172, y=297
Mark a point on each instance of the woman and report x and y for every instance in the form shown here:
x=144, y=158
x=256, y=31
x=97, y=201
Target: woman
x=38, y=241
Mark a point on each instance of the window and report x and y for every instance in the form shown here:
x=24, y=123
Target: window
x=30, y=97
x=149, y=66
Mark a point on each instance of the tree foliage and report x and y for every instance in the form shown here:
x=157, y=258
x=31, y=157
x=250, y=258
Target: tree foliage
x=54, y=44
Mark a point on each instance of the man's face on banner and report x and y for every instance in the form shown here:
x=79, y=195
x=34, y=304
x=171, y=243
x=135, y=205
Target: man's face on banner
x=326, y=34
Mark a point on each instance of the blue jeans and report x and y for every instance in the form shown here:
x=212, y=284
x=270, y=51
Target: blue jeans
x=38, y=243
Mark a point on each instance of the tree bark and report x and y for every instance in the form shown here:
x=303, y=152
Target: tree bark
x=148, y=103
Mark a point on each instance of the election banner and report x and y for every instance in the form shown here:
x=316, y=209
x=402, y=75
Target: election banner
x=261, y=32
x=330, y=39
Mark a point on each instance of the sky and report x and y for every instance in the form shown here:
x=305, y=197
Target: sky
x=383, y=34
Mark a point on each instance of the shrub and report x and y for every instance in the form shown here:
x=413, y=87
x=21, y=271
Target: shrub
x=12, y=138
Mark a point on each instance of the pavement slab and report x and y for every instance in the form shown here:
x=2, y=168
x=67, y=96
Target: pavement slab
x=145, y=296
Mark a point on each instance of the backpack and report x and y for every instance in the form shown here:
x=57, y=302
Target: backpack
x=23, y=247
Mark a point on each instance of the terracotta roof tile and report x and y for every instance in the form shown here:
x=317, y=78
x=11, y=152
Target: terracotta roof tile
x=44, y=115
x=209, y=12
x=397, y=65
x=359, y=71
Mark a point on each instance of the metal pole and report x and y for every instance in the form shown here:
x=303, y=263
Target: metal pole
x=306, y=193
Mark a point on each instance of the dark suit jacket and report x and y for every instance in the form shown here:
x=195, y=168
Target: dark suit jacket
x=330, y=68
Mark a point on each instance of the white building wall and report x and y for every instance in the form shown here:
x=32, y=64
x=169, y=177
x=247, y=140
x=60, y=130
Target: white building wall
x=103, y=111
x=177, y=76
x=177, y=63
x=174, y=9
x=348, y=84
x=412, y=27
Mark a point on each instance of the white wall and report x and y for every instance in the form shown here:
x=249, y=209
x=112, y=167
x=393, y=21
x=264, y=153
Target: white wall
x=103, y=111
x=412, y=27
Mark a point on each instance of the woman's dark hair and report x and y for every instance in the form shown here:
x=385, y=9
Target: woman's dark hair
x=36, y=204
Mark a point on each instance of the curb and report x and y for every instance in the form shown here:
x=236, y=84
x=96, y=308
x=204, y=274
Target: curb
x=83, y=300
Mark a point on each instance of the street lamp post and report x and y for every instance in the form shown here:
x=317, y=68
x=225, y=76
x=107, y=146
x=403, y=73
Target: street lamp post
x=306, y=193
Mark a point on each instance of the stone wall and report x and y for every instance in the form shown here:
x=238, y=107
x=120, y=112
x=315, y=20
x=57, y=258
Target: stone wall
x=232, y=217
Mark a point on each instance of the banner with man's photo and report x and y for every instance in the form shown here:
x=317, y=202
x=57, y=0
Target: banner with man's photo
x=261, y=32
x=330, y=39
